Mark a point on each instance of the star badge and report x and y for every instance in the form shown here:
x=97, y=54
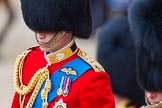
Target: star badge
x=60, y=104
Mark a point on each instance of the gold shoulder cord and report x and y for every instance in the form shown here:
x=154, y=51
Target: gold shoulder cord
x=96, y=66
x=35, y=83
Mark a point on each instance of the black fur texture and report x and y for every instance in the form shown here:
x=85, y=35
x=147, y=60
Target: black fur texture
x=58, y=15
x=145, y=18
x=117, y=55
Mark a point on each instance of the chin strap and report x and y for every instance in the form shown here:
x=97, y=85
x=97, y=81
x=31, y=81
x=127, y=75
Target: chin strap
x=55, y=39
x=158, y=105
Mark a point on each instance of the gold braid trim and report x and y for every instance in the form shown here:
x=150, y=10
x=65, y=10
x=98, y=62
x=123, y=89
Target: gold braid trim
x=35, y=83
x=87, y=58
x=159, y=105
x=56, y=38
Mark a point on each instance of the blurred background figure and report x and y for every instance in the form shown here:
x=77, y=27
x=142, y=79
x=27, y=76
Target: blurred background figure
x=145, y=18
x=117, y=55
x=117, y=8
x=105, y=10
x=10, y=17
x=99, y=13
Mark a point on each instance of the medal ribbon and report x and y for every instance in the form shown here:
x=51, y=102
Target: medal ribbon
x=67, y=84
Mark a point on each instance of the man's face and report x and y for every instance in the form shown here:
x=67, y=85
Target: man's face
x=50, y=42
x=154, y=97
x=43, y=38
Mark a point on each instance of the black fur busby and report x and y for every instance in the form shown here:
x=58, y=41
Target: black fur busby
x=58, y=15
x=117, y=55
x=145, y=18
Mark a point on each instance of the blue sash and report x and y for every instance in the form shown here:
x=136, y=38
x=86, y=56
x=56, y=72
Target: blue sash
x=77, y=64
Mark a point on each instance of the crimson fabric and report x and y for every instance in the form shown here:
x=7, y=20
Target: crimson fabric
x=91, y=90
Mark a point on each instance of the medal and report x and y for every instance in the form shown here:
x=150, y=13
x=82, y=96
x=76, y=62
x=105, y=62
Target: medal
x=65, y=92
x=59, y=90
x=66, y=86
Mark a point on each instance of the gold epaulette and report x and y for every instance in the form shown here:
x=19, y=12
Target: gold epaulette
x=96, y=66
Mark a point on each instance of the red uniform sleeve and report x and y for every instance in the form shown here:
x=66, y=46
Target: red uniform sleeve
x=96, y=91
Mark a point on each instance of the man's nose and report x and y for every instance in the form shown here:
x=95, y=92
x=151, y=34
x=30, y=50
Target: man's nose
x=41, y=35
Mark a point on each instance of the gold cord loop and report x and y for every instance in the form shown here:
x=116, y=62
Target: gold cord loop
x=35, y=83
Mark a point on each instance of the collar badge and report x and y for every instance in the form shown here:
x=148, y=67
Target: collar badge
x=60, y=56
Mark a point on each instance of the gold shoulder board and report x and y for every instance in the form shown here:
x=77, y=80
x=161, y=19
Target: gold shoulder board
x=96, y=66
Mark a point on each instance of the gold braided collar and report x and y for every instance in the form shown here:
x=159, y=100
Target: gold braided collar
x=62, y=54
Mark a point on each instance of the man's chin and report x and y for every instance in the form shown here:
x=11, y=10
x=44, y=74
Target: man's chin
x=154, y=103
x=45, y=49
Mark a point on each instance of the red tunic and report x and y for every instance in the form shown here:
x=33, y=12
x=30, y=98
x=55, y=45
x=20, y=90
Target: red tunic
x=90, y=90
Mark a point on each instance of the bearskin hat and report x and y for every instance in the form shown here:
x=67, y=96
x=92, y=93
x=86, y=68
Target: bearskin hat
x=117, y=55
x=58, y=15
x=145, y=18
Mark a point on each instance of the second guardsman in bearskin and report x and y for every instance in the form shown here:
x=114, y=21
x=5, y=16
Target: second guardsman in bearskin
x=117, y=55
x=145, y=17
x=57, y=74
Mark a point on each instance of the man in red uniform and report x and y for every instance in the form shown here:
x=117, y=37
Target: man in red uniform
x=57, y=74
